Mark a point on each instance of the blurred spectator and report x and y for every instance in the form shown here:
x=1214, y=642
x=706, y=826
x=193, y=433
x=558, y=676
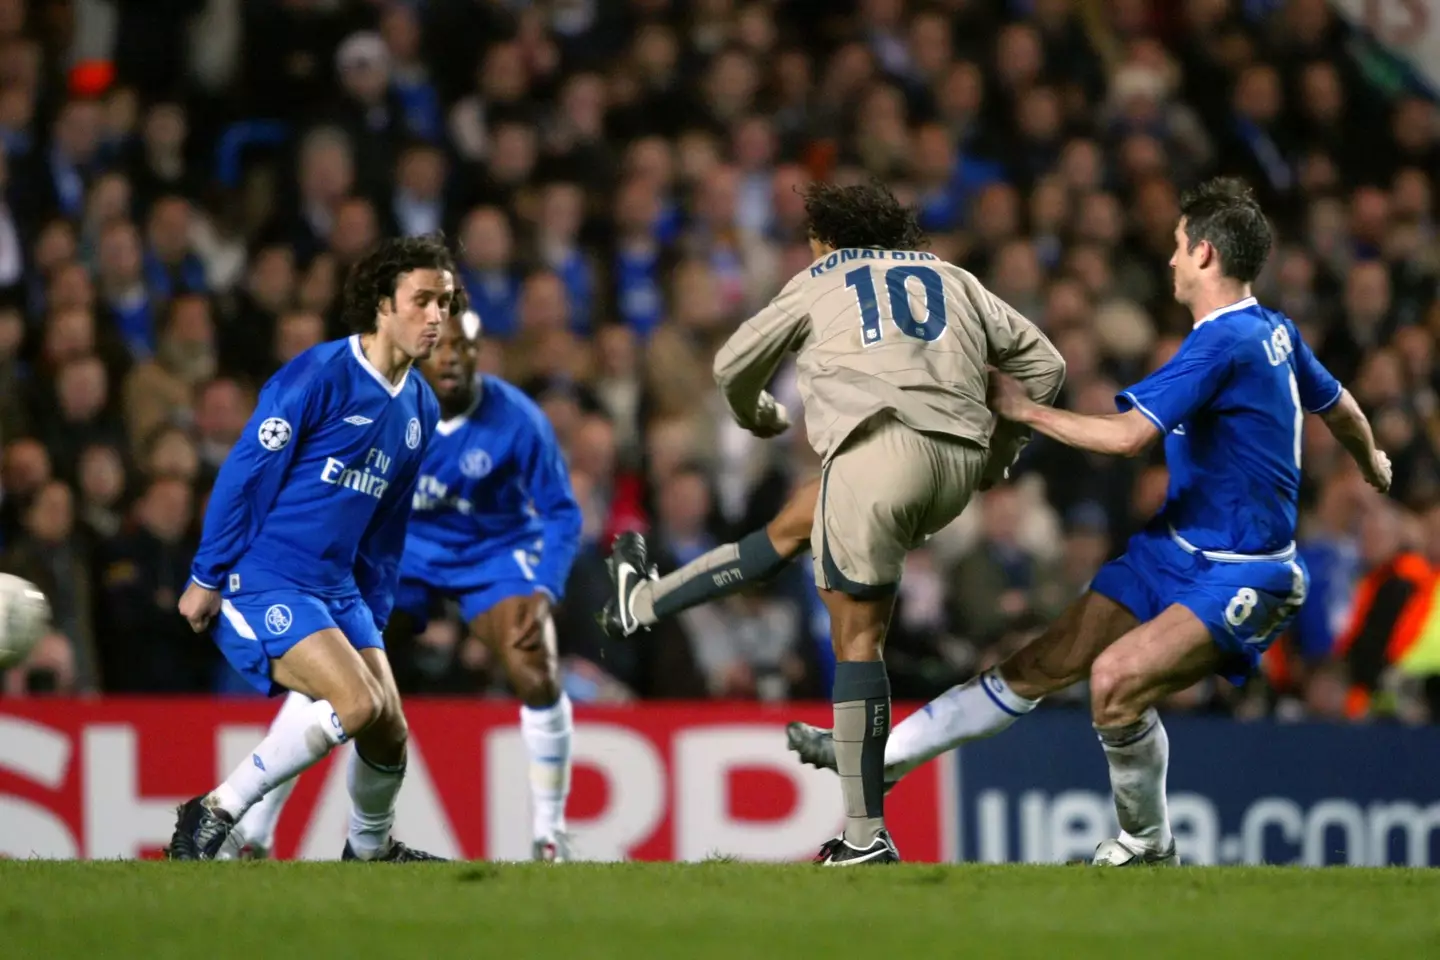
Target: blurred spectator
x=221, y=409
x=142, y=574
x=185, y=357
x=488, y=271
x=82, y=413
x=993, y=586
x=102, y=492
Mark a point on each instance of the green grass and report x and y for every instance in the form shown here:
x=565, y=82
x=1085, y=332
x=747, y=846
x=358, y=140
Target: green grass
x=730, y=910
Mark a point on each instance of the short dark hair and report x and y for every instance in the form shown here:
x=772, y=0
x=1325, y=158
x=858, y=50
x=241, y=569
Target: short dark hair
x=863, y=215
x=375, y=277
x=1224, y=213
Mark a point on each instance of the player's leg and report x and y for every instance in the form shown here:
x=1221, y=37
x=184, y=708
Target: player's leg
x=377, y=765
x=520, y=629
x=880, y=495
x=861, y=707
x=989, y=703
x=1220, y=617
x=323, y=666
x=254, y=835
x=642, y=601
x=1164, y=656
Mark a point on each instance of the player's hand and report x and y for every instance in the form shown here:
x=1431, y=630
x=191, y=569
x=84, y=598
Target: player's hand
x=1377, y=472
x=1007, y=396
x=199, y=605
x=771, y=417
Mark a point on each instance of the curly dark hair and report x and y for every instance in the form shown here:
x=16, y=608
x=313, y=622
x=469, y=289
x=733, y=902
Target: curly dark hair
x=1224, y=213
x=864, y=215
x=460, y=301
x=375, y=277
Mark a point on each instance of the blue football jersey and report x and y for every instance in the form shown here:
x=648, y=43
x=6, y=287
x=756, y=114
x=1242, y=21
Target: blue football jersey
x=494, y=495
x=316, y=492
x=1231, y=404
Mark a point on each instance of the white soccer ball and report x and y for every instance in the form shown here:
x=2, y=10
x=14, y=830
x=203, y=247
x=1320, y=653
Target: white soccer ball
x=24, y=619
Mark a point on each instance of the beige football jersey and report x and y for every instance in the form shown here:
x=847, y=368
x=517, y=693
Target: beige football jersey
x=888, y=330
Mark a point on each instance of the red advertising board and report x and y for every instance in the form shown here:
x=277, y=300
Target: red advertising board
x=101, y=779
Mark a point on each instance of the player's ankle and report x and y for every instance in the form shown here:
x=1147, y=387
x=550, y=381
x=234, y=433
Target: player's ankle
x=227, y=798
x=1015, y=693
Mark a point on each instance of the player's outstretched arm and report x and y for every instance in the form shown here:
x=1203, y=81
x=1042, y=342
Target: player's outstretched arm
x=749, y=359
x=1348, y=424
x=1123, y=434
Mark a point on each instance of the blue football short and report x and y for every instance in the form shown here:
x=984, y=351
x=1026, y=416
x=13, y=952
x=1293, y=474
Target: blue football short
x=255, y=628
x=416, y=598
x=1245, y=602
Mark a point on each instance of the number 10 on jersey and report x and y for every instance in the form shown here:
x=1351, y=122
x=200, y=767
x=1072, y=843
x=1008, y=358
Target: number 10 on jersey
x=862, y=281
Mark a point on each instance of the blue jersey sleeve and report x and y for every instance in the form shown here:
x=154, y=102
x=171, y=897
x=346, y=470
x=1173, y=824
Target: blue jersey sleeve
x=1173, y=394
x=1319, y=390
x=548, y=480
x=253, y=473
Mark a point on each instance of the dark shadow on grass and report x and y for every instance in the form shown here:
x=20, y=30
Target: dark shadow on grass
x=931, y=877
x=479, y=873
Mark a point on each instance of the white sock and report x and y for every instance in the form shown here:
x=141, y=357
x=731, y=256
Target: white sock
x=373, y=789
x=546, y=731
x=257, y=827
x=980, y=707
x=304, y=738
x=1139, y=755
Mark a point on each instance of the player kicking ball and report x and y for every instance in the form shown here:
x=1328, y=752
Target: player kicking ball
x=496, y=527
x=1214, y=578
x=893, y=347
x=300, y=555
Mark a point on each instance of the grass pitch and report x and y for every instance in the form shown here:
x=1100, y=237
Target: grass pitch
x=582, y=911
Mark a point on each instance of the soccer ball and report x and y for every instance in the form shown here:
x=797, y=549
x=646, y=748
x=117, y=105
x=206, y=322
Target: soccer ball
x=24, y=619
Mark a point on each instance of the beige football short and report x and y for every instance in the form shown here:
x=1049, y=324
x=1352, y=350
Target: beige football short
x=885, y=490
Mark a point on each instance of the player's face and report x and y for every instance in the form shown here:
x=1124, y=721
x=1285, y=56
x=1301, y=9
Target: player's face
x=421, y=306
x=450, y=368
x=1186, y=263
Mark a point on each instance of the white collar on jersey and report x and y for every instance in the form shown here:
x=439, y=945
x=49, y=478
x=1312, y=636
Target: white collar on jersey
x=447, y=427
x=1237, y=305
x=391, y=388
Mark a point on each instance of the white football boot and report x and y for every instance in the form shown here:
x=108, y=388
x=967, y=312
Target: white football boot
x=1114, y=853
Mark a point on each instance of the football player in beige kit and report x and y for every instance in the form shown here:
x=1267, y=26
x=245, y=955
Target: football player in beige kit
x=893, y=348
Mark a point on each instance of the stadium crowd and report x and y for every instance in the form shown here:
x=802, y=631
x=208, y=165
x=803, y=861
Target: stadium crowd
x=186, y=182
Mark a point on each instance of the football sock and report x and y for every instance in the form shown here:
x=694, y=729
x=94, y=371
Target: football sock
x=980, y=707
x=1139, y=755
x=861, y=697
x=725, y=570
x=304, y=738
x=373, y=789
x=257, y=827
x=547, y=731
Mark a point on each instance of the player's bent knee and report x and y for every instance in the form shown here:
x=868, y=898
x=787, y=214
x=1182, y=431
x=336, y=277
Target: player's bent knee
x=1117, y=686
x=533, y=676
x=393, y=730
x=359, y=708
